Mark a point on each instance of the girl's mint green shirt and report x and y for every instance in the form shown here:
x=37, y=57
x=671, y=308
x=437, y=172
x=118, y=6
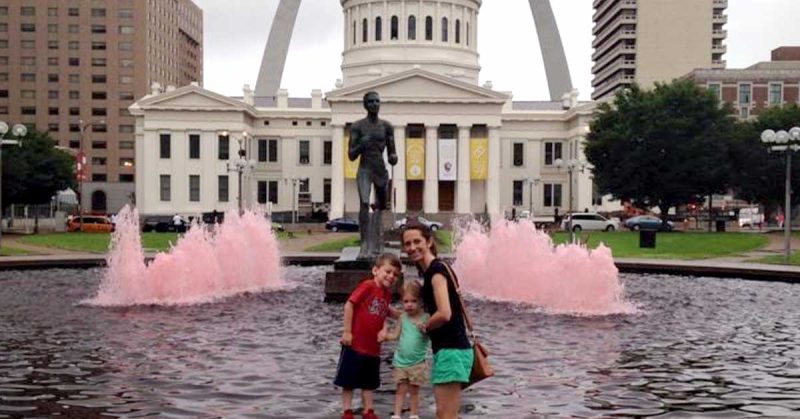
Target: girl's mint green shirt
x=412, y=347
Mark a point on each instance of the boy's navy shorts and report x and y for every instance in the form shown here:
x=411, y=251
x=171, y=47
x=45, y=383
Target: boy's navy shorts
x=358, y=371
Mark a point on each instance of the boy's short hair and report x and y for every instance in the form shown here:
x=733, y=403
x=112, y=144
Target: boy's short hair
x=389, y=258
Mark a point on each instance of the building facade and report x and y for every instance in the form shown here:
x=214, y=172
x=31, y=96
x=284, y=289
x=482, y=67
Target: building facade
x=72, y=68
x=752, y=89
x=462, y=148
x=649, y=41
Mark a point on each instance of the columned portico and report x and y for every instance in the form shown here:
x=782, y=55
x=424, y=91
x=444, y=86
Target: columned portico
x=399, y=177
x=431, y=197
x=463, y=196
x=337, y=169
x=493, y=179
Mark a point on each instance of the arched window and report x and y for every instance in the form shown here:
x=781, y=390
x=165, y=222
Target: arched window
x=355, y=33
x=395, y=29
x=429, y=28
x=99, y=201
x=444, y=29
x=378, y=29
x=364, y=30
x=412, y=28
x=458, y=31
x=467, y=33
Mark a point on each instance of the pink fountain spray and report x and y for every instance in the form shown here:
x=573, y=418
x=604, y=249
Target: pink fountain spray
x=515, y=262
x=205, y=265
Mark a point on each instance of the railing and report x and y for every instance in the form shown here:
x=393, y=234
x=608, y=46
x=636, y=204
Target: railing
x=611, y=56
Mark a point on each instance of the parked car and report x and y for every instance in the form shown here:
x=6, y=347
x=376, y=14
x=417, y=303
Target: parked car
x=648, y=222
x=589, y=221
x=91, y=224
x=433, y=225
x=342, y=224
x=158, y=223
x=750, y=217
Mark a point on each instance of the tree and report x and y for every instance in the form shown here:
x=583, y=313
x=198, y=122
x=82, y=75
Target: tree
x=35, y=171
x=759, y=176
x=662, y=147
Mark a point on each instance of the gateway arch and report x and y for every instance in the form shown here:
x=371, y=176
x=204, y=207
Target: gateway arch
x=274, y=59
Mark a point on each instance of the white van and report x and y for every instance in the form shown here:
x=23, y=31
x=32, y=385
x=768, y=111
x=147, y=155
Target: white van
x=750, y=217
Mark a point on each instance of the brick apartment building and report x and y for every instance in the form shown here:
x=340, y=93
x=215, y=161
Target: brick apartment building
x=73, y=67
x=751, y=89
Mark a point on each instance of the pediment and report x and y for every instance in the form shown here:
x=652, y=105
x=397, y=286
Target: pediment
x=418, y=86
x=191, y=98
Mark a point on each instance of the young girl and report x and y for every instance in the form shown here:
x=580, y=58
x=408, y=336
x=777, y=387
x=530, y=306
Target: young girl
x=410, y=365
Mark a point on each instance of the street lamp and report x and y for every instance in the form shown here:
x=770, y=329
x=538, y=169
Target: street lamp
x=787, y=143
x=81, y=165
x=531, y=181
x=240, y=165
x=295, y=205
x=18, y=131
x=571, y=166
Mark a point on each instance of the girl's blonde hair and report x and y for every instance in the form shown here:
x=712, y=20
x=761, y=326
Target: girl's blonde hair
x=412, y=287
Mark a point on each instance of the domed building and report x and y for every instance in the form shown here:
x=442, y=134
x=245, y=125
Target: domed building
x=463, y=148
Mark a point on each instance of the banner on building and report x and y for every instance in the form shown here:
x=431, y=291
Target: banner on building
x=415, y=159
x=350, y=167
x=448, y=170
x=479, y=158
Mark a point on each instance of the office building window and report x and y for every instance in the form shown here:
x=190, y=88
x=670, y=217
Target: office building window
x=99, y=145
x=273, y=151
x=194, y=188
x=74, y=61
x=98, y=12
x=326, y=191
x=305, y=152
x=99, y=112
x=126, y=145
x=126, y=129
x=262, y=150
x=31, y=61
x=194, y=146
x=52, y=111
x=222, y=188
x=745, y=94
x=327, y=152
x=52, y=60
x=126, y=30
x=99, y=177
x=24, y=44
x=53, y=127
x=28, y=110
x=73, y=11
x=552, y=152
x=517, y=192
x=98, y=62
x=27, y=77
x=165, y=146
x=125, y=13
x=73, y=45
x=28, y=94
x=273, y=191
x=165, y=188
x=99, y=78
x=98, y=46
x=775, y=94
x=52, y=94
x=126, y=178
x=126, y=161
x=716, y=90
x=223, y=147
x=74, y=111
x=74, y=94
x=552, y=194
x=98, y=161
x=52, y=44
x=99, y=95
x=98, y=28
x=125, y=95
x=27, y=27
x=519, y=154
x=262, y=192
x=52, y=78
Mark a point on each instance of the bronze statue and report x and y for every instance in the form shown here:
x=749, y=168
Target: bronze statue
x=369, y=137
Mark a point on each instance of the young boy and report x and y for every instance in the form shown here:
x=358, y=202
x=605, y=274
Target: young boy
x=364, y=317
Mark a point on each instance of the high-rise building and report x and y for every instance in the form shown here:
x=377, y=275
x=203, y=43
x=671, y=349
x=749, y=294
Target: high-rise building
x=72, y=68
x=649, y=41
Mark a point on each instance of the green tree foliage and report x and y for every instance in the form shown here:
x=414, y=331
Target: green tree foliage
x=662, y=147
x=35, y=171
x=759, y=176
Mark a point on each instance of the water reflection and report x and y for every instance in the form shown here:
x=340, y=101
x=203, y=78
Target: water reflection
x=700, y=347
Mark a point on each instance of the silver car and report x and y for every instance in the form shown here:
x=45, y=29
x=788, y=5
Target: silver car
x=432, y=225
x=590, y=221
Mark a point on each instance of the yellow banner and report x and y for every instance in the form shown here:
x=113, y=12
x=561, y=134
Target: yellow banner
x=350, y=167
x=479, y=158
x=415, y=159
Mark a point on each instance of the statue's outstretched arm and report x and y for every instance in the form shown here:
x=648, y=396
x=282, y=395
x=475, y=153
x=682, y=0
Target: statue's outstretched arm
x=391, y=150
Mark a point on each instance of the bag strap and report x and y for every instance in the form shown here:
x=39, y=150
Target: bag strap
x=467, y=321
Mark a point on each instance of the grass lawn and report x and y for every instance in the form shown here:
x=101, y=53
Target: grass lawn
x=668, y=245
x=10, y=251
x=96, y=242
x=674, y=245
x=794, y=259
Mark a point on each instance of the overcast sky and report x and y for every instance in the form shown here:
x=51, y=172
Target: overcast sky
x=235, y=37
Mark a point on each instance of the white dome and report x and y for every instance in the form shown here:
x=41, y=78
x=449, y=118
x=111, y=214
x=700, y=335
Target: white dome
x=385, y=37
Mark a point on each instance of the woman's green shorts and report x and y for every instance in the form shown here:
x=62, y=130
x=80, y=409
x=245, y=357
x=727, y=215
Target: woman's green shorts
x=452, y=366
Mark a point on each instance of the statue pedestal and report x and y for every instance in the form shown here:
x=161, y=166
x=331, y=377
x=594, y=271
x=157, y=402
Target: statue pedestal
x=349, y=271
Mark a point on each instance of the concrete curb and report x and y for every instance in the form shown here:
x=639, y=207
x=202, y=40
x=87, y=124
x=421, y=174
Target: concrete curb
x=710, y=268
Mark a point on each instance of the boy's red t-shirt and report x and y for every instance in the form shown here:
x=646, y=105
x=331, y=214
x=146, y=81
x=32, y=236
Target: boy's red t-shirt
x=370, y=308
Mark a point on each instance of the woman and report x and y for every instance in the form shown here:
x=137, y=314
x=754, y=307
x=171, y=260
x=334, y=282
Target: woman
x=452, y=351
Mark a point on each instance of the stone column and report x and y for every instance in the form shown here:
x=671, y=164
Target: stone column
x=430, y=202
x=337, y=173
x=493, y=180
x=399, y=177
x=463, y=196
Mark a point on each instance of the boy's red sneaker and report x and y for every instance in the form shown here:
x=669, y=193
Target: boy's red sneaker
x=348, y=414
x=370, y=414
